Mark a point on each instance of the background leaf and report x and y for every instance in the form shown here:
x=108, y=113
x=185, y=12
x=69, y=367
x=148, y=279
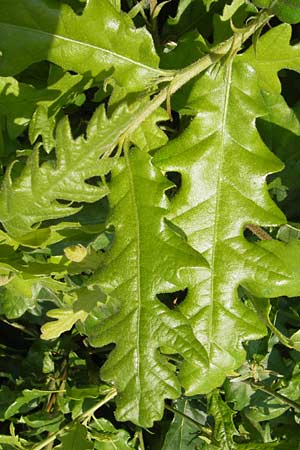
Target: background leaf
x=75, y=438
x=183, y=433
x=224, y=429
x=100, y=41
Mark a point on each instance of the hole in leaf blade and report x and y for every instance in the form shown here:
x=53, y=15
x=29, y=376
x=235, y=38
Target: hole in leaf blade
x=173, y=299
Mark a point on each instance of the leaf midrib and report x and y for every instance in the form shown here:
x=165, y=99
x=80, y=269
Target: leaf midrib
x=85, y=44
x=217, y=208
x=138, y=265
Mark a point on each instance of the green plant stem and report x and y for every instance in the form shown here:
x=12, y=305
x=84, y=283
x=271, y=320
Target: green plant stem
x=139, y=9
x=153, y=16
x=267, y=390
x=110, y=395
x=183, y=76
x=141, y=440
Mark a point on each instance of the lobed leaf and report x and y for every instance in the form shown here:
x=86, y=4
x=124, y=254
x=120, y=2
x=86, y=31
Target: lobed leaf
x=33, y=196
x=99, y=41
x=147, y=258
x=85, y=301
x=223, y=164
x=272, y=53
x=18, y=100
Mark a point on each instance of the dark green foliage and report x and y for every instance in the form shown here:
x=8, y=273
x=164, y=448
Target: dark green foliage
x=150, y=225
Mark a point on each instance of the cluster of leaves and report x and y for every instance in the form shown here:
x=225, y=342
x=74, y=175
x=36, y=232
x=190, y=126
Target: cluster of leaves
x=150, y=224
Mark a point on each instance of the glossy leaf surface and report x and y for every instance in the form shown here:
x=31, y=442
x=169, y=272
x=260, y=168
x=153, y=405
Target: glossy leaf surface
x=134, y=272
x=144, y=259
x=223, y=164
x=41, y=184
x=99, y=41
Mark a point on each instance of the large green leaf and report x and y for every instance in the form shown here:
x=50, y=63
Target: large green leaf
x=100, y=40
x=223, y=164
x=32, y=197
x=147, y=258
x=46, y=190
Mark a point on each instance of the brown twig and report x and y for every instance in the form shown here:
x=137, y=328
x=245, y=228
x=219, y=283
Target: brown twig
x=153, y=4
x=259, y=232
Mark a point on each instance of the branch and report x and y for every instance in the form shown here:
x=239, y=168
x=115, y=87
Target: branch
x=183, y=76
x=110, y=395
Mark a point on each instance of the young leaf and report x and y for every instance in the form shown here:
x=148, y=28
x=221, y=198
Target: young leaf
x=222, y=152
x=66, y=317
x=224, y=428
x=146, y=259
x=100, y=40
